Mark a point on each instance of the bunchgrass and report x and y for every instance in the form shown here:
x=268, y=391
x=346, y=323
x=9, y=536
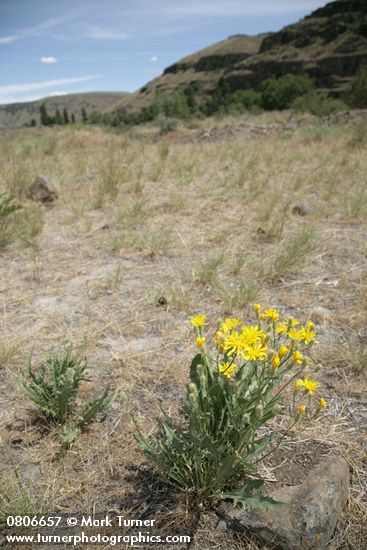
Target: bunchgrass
x=239, y=297
x=292, y=254
x=207, y=272
x=110, y=177
x=7, y=220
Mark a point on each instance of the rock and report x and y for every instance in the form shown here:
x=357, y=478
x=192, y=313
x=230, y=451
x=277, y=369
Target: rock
x=312, y=509
x=301, y=209
x=42, y=190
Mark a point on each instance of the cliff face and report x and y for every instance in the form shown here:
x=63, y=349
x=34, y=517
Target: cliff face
x=329, y=45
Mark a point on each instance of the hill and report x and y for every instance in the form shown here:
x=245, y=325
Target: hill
x=329, y=45
x=15, y=115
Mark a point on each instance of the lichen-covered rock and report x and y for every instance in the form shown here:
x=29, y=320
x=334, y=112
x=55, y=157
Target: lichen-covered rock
x=42, y=190
x=311, y=509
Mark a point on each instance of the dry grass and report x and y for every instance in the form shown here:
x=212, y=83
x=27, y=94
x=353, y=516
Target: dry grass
x=146, y=232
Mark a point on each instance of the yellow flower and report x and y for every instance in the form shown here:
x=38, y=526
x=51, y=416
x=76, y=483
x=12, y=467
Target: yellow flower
x=322, y=404
x=257, y=308
x=251, y=335
x=286, y=325
x=310, y=385
x=272, y=314
x=198, y=320
x=296, y=334
x=299, y=384
x=301, y=409
x=230, y=324
x=275, y=362
x=297, y=358
x=307, y=333
x=200, y=341
x=281, y=328
x=227, y=369
x=282, y=351
x=251, y=353
x=234, y=343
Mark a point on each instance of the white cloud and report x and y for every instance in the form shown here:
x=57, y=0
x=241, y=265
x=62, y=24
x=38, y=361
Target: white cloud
x=11, y=93
x=37, y=30
x=8, y=39
x=231, y=8
x=49, y=59
x=153, y=59
x=101, y=33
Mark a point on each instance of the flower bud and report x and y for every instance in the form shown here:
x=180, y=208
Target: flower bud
x=275, y=362
x=322, y=403
x=259, y=409
x=200, y=341
x=299, y=385
x=297, y=358
x=283, y=350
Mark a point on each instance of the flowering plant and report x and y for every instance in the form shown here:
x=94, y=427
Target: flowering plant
x=249, y=376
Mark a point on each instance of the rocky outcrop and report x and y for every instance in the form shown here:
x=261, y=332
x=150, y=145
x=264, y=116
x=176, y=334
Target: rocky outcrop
x=329, y=45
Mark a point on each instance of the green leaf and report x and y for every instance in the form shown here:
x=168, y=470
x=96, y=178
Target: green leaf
x=96, y=406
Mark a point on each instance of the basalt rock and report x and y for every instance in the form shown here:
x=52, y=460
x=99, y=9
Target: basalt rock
x=311, y=511
x=42, y=190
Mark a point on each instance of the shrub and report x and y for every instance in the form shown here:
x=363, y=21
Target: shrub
x=357, y=95
x=55, y=387
x=167, y=124
x=319, y=104
x=248, y=99
x=279, y=93
x=255, y=374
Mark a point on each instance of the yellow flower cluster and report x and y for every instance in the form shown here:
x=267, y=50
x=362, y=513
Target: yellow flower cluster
x=248, y=344
x=273, y=342
x=309, y=387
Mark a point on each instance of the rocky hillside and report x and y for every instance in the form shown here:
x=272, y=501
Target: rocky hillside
x=15, y=115
x=329, y=45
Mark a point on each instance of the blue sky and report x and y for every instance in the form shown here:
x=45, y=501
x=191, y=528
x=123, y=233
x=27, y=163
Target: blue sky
x=66, y=46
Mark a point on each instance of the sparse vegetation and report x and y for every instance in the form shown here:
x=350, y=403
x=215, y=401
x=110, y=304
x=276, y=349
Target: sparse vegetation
x=202, y=220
